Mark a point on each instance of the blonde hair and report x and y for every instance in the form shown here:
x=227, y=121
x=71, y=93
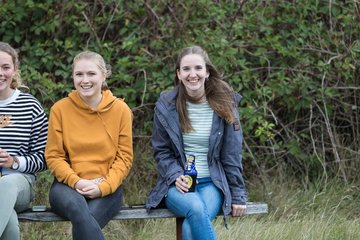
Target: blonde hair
x=98, y=60
x=16, y=81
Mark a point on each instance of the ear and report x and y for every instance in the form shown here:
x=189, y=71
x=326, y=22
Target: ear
x=178, y=73
x=207, y=74
x=15, y=72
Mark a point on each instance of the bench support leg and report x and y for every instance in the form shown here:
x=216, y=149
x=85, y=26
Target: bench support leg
x=179, y=222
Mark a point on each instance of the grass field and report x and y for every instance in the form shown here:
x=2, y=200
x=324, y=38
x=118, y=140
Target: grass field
x=320, y=211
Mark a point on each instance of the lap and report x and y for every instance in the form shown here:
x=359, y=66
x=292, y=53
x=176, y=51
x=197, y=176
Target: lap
x=206, y=198
x=17, y=187
x=62, y=197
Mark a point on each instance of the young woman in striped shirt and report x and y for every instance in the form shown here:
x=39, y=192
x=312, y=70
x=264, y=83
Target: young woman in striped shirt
x=23, y=134
x=198, y=118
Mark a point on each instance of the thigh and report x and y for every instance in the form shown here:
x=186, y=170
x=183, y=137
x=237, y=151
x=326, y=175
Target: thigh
x=103, y=209
x=182, y=203
x=65, y=201
x=212, y=197
x=18, y=186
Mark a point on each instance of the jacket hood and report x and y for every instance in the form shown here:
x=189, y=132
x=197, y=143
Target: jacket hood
x=107, y=101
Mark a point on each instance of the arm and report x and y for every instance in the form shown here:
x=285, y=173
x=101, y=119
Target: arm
x=121, y=166
x=231, y=155
x=33, y=159
x=56, y=157
x=165, y=152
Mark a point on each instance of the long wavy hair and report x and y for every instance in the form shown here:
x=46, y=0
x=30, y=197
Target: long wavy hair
x=219, y=94
x=98, y=60
x=16, y=81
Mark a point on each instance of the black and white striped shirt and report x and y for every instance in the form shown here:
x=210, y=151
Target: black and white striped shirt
x=23, y=132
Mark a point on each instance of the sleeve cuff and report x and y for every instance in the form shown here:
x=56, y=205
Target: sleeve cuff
x=22, y=163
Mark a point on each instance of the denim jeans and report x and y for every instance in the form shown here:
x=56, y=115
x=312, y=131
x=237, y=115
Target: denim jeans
x=88, y=216
x=199, y=208
x=16, y=193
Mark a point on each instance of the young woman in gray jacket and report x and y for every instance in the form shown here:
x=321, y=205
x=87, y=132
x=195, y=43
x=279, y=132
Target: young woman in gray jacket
x=198, y=119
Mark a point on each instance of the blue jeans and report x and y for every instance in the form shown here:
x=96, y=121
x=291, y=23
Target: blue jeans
x=199, y=208
x=88, y=216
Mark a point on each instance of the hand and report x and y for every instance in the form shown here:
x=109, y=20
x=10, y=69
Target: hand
x=181, y=184
x=238, y=210
x=5, y=159
x=88, y=188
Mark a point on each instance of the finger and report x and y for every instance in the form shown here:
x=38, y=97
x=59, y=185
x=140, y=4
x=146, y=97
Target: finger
x=179, y=188
x=79, y=191
x=239, y=212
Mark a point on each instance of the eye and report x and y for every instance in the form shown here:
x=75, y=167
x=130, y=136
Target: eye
x=199, y=67
x=91, y=73
x=185, y=68
x=6, y=67
x=78, y=74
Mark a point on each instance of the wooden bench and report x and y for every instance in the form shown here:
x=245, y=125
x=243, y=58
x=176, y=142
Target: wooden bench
x=133, y=212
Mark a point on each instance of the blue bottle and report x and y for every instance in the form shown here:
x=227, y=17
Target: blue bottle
x=190, y=172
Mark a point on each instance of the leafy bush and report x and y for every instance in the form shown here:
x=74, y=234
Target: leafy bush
x=296, y=63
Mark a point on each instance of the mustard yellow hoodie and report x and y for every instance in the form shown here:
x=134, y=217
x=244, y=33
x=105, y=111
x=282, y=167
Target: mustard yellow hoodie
x=88, y=144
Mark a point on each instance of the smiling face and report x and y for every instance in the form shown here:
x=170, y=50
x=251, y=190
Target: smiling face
x=7, y=73
x=192, y=73
x=88, y=80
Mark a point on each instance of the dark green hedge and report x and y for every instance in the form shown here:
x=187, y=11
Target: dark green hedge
x=296, y=63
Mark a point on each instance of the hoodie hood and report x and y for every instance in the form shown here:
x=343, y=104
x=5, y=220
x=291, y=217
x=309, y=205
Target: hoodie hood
x=107, y=101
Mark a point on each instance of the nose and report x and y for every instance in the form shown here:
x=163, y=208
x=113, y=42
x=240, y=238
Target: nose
x=85, y=78
x=192, y=73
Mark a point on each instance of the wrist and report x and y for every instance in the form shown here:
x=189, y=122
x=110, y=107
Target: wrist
x=16, y=163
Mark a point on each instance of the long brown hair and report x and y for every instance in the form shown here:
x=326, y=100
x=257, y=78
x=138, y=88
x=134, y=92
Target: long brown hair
x=219, y=94
x=16, y=81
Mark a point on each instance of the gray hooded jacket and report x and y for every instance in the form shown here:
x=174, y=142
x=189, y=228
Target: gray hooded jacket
x=224, y=156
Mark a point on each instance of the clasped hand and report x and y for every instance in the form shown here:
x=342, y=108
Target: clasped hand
x=181, y=184
x=88, y=188
x=6, y=160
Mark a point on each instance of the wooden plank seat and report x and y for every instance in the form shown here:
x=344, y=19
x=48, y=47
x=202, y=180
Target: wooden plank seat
x=132, y=212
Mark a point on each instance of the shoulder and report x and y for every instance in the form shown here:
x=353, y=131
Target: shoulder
x=26, y=99
x=168, y=97
x=61, y=104
x=238, y=98
x=120, y=104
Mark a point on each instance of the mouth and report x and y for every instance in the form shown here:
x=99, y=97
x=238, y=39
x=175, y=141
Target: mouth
x=86, y=87
x=192, y=80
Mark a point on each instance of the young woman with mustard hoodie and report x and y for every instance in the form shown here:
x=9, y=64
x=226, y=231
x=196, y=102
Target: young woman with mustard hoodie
x=89, y=149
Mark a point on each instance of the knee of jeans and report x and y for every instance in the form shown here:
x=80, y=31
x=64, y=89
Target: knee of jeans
x=63, y=201
x=7, y=183
x=9, y=190
x=197, y=208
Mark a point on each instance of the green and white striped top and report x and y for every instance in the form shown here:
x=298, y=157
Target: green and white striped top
x=197, y=142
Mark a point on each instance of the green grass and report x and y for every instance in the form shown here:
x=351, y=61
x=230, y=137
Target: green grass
x=320, y=211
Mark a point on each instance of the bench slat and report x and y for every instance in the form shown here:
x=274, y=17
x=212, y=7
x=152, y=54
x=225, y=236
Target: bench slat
x=132, y=212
